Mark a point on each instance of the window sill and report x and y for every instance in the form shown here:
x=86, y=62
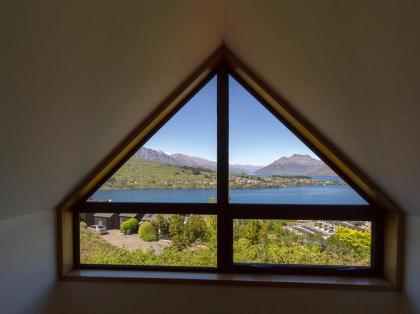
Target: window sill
x=299, y=281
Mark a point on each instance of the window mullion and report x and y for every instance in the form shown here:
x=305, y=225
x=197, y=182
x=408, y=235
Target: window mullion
x=224, y=222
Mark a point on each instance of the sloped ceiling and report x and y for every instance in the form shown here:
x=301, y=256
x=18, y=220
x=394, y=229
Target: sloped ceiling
x=352, y=68
x=77, y=77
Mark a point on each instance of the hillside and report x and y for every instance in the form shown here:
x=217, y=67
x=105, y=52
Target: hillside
x=192, y=161
x=145, y=174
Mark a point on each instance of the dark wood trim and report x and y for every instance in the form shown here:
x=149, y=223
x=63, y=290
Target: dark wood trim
x=192, y=269
x=76, y=239
x=222, y=136
x=302, y=212
x=311, y=270
x=263, y=211
x=224, y=225
x=157, y=208
x=377, y=246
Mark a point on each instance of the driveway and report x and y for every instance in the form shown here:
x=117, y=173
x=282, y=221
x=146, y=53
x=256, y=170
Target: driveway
x=133, y=242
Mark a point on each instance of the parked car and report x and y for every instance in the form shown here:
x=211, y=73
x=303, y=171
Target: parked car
x=97, y=229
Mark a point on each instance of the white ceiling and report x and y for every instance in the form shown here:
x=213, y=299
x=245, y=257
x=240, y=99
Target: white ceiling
x=76, y=78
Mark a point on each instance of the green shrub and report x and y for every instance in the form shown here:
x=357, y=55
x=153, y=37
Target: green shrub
x=196, y=229
x=148, y=232
x=161, y=225
x=129, y=226
x=177, y=232
x=83, y=225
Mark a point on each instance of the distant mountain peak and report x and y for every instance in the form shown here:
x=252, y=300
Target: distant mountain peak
x=296, y=164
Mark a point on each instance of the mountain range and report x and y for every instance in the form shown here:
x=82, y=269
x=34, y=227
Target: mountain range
x=286, y=166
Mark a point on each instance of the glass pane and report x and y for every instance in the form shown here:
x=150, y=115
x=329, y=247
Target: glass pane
x=302, y=242
x=148, y=239
x=270, y=165
x=177, y=164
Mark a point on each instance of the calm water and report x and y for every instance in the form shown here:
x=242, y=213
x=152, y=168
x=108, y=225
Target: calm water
x=333, y=194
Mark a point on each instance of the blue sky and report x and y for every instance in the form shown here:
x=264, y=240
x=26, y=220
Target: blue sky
x=256, y=137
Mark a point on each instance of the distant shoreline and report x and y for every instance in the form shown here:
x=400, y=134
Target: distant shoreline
x=251, y=187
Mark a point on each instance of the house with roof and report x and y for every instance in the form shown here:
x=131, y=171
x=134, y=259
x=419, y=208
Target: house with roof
x=108, y=220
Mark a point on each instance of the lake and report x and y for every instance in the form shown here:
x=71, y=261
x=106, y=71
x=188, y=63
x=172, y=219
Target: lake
x=320, y=195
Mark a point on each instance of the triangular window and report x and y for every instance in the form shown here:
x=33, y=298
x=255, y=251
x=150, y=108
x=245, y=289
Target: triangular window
x=268, y=163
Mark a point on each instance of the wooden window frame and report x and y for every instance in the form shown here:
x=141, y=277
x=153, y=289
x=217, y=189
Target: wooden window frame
x=385, y=216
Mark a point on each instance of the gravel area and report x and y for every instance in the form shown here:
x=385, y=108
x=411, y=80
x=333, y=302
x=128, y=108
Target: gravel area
x=133, y=242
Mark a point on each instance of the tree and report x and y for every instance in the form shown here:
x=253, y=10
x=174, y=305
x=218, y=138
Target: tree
x=356, y=240
x=211, y=222
x=161, y=225
x=177, y=232
x=148, y=232
x=196, y=229
x=255, y=231
x=129, y=226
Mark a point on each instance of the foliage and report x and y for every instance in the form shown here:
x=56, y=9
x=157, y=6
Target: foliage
x=349, y=239
x=185, y=231
x=96, y=250
x=161, y=225
x=177, y=232
x=253, y=245
x=83, y=225
x=193, y=243
x=129, y=226
x=255, y=231
x=211, y=222
x=148, y=232
x=196, y=229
